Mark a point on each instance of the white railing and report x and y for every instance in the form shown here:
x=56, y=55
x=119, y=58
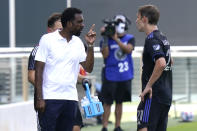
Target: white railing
x=177, y=51
x=21, y=61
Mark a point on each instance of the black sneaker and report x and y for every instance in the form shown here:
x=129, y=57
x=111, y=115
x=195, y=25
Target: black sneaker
x=104, y=129
x=118, y=129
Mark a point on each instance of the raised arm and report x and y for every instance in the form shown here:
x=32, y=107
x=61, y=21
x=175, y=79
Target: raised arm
x=90, y=37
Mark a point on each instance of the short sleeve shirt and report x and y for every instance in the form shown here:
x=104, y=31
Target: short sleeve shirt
x=61, y=60
x=156, y=46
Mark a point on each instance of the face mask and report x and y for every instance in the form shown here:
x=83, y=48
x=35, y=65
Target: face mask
x=120, y=28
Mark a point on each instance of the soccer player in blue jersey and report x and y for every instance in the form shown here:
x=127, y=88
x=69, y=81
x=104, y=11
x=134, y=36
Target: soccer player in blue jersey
x=156, y=96
x=118, y=71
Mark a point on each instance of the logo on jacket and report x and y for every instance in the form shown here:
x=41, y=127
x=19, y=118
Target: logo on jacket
x=156, y=47
x=119, y=54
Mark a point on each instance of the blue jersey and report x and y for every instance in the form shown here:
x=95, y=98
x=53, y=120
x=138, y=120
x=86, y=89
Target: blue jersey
x=119, y=65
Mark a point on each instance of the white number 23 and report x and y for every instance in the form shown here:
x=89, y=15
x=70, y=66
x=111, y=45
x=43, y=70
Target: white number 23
x=123, y=66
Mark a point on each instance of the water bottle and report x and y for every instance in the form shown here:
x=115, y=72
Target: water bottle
x=84, y=101
x=95, y=98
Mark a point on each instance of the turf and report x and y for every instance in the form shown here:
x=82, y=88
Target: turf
x=173, y=125
x=189, y=126
x=129, y=125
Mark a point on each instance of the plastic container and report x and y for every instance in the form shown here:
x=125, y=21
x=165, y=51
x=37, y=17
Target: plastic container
x=91, y=105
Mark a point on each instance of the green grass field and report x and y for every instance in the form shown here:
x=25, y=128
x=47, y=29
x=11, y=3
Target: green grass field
x=190, y=126
x=173, y=125
x=128, y=123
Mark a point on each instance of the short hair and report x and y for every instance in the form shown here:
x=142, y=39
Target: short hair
x=151, y=12
x=52, y=19
x=69, y=15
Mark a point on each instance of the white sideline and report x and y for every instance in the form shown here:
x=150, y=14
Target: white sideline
x=18, y=117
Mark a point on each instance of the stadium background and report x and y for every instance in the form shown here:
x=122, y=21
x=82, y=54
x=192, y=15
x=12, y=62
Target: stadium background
x=177, y=21
x=177, y=18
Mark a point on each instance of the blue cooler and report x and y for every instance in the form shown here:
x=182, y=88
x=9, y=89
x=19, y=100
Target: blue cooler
x=92, y=108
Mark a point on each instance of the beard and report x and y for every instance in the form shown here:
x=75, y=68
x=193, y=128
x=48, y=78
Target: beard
x=77, y=33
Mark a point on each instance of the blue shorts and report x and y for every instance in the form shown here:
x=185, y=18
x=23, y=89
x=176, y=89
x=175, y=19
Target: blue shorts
x=59, y=115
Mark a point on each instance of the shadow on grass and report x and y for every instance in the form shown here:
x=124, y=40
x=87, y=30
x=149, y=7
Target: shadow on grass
x=126, y=126
x=173, y=124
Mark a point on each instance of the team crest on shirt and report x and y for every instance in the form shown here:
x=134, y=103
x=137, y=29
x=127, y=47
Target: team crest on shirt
x=165, y=42
x=119, y=54
x=156, y=47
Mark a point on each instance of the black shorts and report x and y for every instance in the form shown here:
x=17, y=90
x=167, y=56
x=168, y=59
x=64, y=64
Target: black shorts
x=116, y=91
x=152, y=115
x=78, y=120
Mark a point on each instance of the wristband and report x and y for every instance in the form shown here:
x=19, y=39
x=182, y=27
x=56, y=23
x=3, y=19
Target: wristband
x=89, y=45
x=39, y=98
x=118, y=40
